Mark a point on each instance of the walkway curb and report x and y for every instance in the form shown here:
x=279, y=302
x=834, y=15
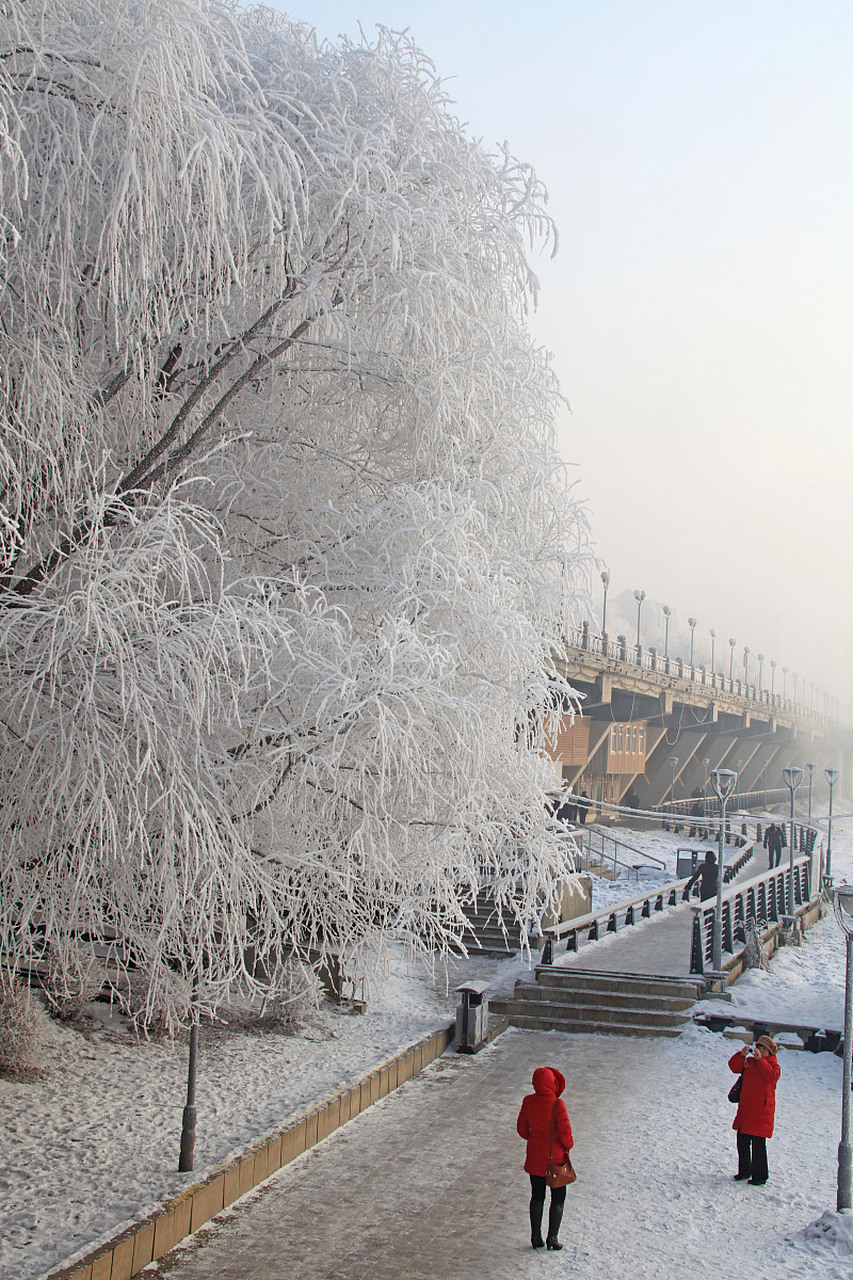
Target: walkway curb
x=147, y=1240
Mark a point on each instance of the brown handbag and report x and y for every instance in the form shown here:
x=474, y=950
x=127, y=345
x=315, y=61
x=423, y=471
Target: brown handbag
x=558, y=1175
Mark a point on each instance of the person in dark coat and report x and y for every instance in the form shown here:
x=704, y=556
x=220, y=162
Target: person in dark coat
x=707, y=872
x=583, y=807
x=756, y=1109
x=534, y=1125
x=773, y=838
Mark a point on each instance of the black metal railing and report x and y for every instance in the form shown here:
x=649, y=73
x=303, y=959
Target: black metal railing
x=764, y=898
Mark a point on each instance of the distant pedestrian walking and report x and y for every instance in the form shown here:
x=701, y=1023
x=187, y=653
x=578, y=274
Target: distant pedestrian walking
x=774, y=838
x=534, y=1124
x=707, y=872
x=756, y=1108
x=583, y=807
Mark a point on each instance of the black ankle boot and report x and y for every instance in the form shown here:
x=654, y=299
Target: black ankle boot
x=555, y=1217
x=536, y=1210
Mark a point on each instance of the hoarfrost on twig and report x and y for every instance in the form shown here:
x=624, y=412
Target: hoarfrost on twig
x=285, y=548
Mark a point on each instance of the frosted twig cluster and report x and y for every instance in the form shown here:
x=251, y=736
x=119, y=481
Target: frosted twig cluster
x=284, y=544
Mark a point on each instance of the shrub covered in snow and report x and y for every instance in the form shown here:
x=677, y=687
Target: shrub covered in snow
x=22, y=1026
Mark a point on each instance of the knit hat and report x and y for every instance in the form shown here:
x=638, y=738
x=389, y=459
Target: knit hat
x=766, y=1043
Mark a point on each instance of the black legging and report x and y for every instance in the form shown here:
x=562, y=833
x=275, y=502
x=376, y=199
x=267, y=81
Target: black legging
x=751, y=1157
x=538, y=1187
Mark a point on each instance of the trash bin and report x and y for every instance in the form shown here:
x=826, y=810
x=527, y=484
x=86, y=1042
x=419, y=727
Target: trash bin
x=472, y=1017
x=686, y=862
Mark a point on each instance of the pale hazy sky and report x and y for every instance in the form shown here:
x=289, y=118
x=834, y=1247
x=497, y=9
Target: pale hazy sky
x=698, y=158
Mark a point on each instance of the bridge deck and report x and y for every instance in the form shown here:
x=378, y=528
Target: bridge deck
x=659, y=945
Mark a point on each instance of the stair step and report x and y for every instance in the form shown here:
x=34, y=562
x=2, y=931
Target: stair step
x=626, y=984
x=585, y=1026
x=559, y=995
x=590, y=1013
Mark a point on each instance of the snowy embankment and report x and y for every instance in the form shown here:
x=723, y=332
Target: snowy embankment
x=94, y=1144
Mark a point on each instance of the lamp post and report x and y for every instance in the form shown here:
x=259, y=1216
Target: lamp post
x=732, y=644
x=713, y=647
x=639, y=596
x=691, y=622
x=772, y=679
x=745, y=667
x=605, y=580
x=673, y=765
x=795, y=677
x=811, y=766
x=842, y=901
x=760, y=671
x=725, y=781
x=793, y=775
x=784, y=683
x=832, y=776
x=666, y=615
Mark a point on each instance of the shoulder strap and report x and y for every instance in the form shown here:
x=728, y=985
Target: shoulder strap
x=551, y=1136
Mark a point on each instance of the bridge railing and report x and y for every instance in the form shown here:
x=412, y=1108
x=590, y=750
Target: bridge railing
x=611, y=919
x=612, y=850
x=762, y=900
x=648, y=659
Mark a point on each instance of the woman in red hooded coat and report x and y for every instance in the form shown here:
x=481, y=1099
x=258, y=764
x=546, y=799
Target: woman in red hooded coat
x=756, y=1108
x=534, y=1124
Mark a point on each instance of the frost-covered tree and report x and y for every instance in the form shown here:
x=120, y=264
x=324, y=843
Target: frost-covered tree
x=284, y=545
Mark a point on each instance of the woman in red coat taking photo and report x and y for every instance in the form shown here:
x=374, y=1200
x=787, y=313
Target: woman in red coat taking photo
x=756, y=1108
x=534, y=1124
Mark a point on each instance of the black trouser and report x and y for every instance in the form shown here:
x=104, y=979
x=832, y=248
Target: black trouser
x=751, y=1157
x=538, y=1187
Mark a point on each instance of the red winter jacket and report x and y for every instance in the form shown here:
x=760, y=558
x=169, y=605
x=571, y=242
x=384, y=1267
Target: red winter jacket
x=534, y=1121
x=757, y=1106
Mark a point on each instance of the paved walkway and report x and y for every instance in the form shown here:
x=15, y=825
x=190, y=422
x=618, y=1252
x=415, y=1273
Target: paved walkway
x=659, y=945
x=429, y=1185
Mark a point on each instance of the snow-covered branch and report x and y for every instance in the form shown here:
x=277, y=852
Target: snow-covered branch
x=284, y=543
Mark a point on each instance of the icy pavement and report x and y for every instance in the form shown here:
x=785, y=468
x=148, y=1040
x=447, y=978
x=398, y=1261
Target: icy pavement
x=428, y=1185
x=95, y=1143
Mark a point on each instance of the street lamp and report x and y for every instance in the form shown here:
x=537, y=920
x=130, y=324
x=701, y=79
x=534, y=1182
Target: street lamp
x=793, y=775
x=713, y=647
x=605, y=578
x=811, y=766
x=760, y=670
x=745, y=667
x=784, y=683
x=666, y=614
x=691, y=622
x=795, y=677
x=772, y=678
x=673, y=765
x=842, y=901
x=725, y=781
x=639, y=596
x=832, y=776
x=732, y=644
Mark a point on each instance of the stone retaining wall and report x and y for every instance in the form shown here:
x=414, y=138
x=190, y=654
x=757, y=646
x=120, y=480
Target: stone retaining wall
x=148, y=1240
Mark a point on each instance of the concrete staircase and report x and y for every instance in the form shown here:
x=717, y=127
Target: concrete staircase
x=489, y=933
x=581, y=1000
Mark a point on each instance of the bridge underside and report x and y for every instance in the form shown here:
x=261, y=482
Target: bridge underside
x=647, y=739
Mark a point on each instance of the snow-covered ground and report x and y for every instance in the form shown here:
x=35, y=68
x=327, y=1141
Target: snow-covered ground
x=94, y=1144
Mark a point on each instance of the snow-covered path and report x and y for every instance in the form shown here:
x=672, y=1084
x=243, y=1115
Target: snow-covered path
x=95, y=1143
x=429, y=1185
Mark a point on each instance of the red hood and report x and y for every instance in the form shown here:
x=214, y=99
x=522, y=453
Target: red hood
x=548, y=1080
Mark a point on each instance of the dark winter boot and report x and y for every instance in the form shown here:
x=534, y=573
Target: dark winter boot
x=555, y=1217
x=536, y=1210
